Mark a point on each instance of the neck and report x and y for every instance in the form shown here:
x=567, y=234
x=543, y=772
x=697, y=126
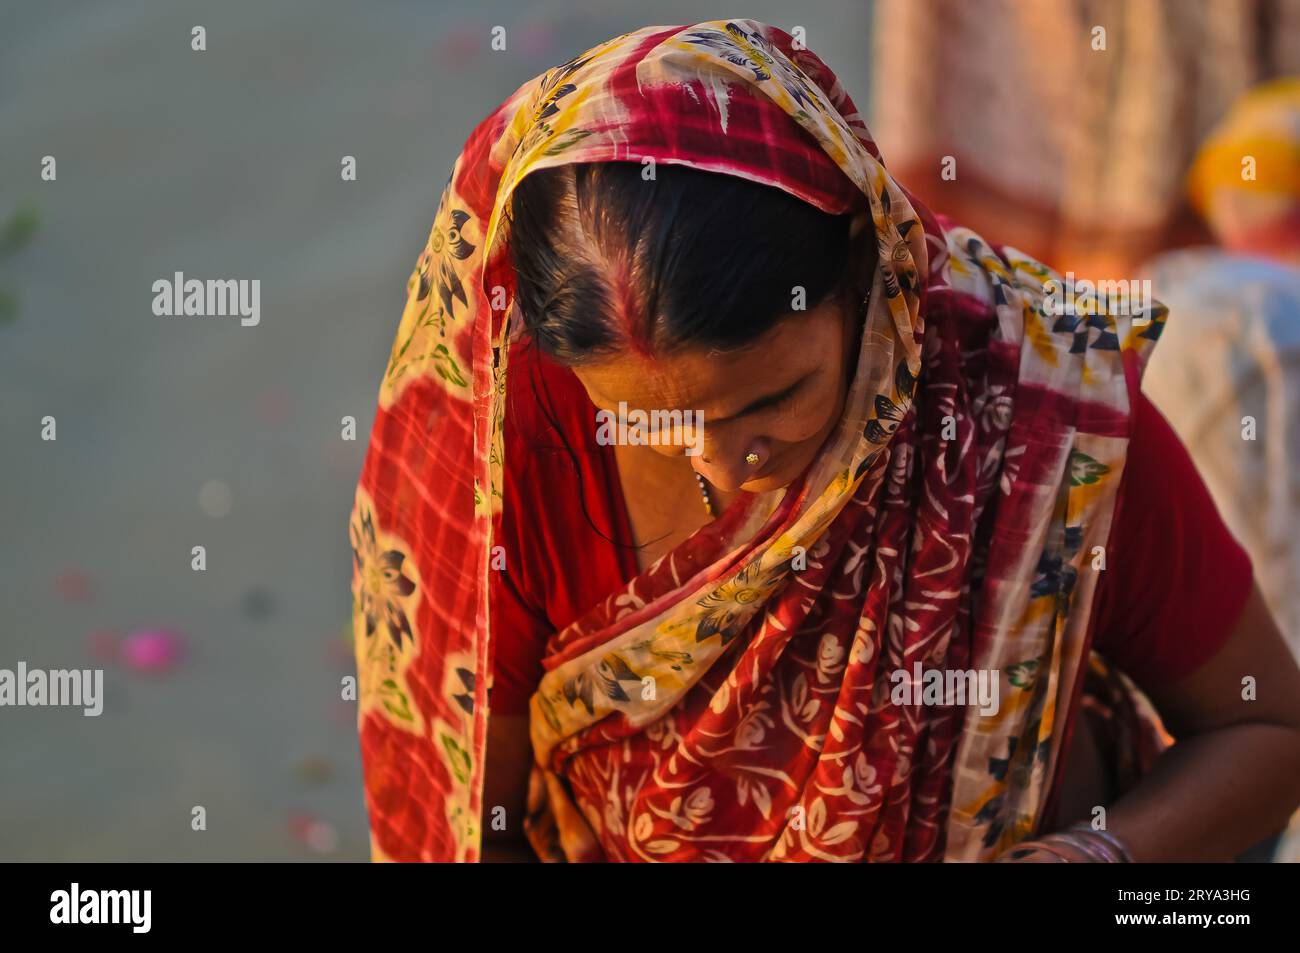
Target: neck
x=667, y=478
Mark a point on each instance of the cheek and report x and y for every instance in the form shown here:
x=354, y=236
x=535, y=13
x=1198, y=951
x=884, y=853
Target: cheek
x=797, y=427
x=811, y=417
x=668, y=450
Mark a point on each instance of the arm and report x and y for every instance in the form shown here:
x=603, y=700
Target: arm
x=1233, y=778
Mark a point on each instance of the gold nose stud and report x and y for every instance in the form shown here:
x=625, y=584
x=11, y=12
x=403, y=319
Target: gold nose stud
x=751, y=458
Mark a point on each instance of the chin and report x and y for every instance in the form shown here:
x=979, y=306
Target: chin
x=774, y=481
x=765, y=486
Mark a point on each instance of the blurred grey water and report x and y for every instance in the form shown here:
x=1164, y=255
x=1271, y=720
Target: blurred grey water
x=225, y=164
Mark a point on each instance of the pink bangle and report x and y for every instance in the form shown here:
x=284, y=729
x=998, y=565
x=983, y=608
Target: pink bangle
x=1078, y=843
x=1114, y=847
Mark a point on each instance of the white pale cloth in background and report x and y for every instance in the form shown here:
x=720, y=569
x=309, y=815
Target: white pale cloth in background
x=1230, y=350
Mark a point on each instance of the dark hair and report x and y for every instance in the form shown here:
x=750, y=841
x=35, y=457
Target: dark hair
x=606, y=258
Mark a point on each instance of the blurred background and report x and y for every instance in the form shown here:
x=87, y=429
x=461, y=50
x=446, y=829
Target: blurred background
x=223, y=686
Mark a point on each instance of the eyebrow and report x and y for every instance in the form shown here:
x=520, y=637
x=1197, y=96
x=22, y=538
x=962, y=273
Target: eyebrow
x=762, y=403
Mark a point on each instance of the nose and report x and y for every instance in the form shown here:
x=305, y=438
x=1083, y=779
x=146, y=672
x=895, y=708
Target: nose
x=724, y=463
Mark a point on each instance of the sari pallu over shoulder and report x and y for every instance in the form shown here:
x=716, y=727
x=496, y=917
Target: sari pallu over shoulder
x=735, y=701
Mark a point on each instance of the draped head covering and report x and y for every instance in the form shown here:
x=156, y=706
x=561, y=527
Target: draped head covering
x=739, y=700
x=1245, y=179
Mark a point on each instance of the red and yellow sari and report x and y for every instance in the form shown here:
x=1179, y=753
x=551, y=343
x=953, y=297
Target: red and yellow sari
x=734, y=701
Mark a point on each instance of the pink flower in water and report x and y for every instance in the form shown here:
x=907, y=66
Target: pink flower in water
x=315, y=833
x=151, y=650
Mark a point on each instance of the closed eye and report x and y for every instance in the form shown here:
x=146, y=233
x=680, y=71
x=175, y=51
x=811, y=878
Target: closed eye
x=784, y=400
x=780, y=399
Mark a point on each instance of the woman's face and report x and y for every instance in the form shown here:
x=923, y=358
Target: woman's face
x=779, y=396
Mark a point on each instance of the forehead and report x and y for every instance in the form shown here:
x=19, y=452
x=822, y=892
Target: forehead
x=720, y=381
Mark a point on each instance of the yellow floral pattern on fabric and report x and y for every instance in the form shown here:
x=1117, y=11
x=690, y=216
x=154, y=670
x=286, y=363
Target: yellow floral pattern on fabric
x=384, y=629
x=438, y=302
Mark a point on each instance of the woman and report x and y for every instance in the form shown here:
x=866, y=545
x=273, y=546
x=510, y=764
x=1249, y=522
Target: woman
x=905, y=467
x=1229, y=370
